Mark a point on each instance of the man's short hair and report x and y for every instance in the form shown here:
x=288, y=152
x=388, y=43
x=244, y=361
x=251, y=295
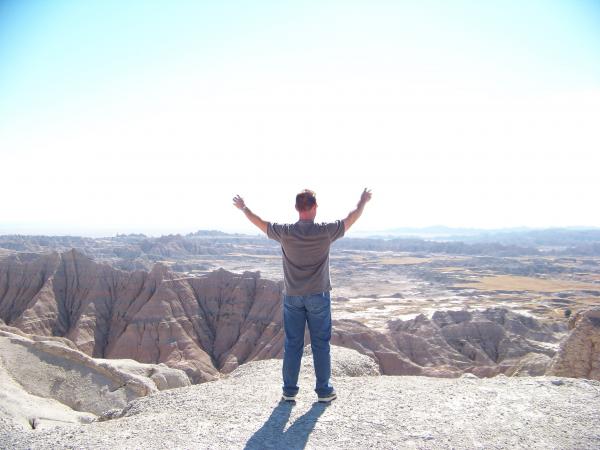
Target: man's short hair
x=305, y=200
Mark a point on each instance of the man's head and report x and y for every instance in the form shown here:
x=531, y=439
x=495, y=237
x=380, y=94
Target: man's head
x=306, y=204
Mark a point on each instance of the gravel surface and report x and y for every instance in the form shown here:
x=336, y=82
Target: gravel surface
x=243, y=411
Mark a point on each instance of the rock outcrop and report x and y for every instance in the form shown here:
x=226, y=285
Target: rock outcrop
x=579, y=354
x=63, y=381
x=21, y=410
x=243, y=411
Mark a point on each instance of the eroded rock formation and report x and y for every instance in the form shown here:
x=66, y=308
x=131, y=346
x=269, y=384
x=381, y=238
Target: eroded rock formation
x=579, y=354
x=211, y=324
x=485, y=343
x=201, y=325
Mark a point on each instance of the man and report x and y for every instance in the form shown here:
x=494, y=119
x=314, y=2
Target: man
x=305, y=247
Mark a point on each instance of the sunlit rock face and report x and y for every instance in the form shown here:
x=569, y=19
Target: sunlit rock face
x=201, y=325
x=579, y=354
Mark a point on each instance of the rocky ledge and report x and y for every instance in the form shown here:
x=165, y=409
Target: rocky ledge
x=243, y=411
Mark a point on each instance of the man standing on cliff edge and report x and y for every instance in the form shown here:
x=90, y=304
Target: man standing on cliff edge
x=305, y=247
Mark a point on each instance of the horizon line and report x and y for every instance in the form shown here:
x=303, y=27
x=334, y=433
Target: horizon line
x=399, y=230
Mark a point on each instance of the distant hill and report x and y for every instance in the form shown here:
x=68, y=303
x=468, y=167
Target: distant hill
x=531, y=235
x=138, y=251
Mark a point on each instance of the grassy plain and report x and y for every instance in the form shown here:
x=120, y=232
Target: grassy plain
x=520, y=283
x=404, y=260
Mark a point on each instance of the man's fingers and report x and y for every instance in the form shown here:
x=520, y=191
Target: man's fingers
x=238, y=202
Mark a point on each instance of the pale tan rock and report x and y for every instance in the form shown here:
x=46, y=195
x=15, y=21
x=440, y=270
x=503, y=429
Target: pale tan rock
x=46, y=383
x=163, y=376
x=49, y=369
x=579, y=354
x=29, y=411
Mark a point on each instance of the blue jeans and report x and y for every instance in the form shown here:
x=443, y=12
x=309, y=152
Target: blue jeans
x=315, y=310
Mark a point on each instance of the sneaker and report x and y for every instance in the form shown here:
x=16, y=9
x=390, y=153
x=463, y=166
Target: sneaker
x=328, y=398
x=288, y=398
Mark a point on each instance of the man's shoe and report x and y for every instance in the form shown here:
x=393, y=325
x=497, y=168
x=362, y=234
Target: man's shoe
x=328, y=398
x=288, y=398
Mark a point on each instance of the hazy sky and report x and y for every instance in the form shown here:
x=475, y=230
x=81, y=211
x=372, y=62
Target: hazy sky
x=149, y=116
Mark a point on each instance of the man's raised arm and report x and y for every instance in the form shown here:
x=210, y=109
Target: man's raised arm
x=355, y=214
x=239, y=203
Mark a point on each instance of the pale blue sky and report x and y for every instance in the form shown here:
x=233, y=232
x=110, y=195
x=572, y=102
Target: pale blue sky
x=141, y=116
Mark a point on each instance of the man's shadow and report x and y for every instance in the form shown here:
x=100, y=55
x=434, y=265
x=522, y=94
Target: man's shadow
x=272, y=434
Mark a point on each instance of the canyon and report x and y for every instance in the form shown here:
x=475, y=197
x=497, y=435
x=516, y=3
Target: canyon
x=208, y=325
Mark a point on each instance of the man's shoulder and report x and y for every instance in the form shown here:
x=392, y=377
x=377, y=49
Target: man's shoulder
x=336, y=229
x=280, y=227
x=331, y=224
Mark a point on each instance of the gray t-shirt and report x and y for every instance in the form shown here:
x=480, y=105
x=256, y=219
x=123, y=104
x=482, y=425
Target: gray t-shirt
x=305, y=247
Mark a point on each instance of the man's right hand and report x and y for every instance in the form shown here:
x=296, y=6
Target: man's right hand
x=238, y=202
